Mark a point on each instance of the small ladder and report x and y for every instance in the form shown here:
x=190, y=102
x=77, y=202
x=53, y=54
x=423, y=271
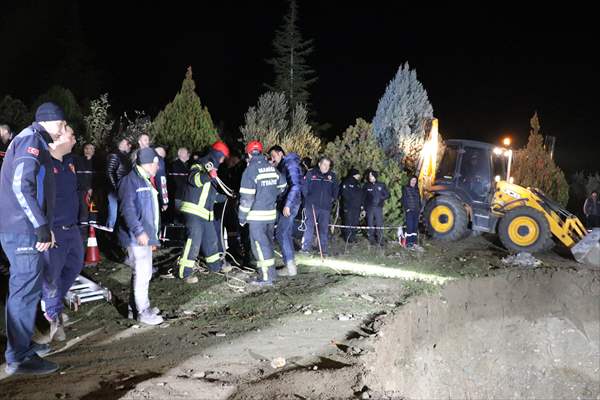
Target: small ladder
x=85, y=290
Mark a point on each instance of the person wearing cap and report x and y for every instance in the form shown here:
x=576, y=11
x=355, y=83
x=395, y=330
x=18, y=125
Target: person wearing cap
x=138, y=231
x=352, y=196
x=197, y=207
x=63, y=262
x=27, y=195
x=376, y=193
x=288, y=204
x=320, y=189
x=261, y=184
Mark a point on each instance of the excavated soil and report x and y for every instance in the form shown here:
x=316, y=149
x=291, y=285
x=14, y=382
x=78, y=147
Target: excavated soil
x=531, y=334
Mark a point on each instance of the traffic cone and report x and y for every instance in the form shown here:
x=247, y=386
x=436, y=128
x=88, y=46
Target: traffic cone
x=92, y=252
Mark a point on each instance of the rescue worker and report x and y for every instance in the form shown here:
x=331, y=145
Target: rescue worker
x=376, y=193
x=411, y=202
x=197, y=207
x=63, y=262
x=178, y=174
x=27, y=195
x=352, y=196
x=288, y=205
x=138, y=231
x=320, y=190
x=261, y=184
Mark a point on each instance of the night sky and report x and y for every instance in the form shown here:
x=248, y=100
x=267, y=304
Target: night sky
x=485, y=73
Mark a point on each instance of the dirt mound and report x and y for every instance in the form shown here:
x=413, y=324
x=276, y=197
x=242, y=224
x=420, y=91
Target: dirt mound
x=526, y=334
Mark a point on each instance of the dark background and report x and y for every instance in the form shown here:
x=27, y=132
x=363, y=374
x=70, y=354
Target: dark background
x=486, y=70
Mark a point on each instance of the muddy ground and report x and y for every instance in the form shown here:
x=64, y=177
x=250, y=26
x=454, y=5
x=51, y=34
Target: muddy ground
x=489, y=331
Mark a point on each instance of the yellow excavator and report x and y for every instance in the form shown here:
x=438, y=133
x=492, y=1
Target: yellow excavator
x=471, y=189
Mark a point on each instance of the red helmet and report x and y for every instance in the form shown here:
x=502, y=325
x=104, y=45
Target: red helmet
x=253, y=146
x=222, y=147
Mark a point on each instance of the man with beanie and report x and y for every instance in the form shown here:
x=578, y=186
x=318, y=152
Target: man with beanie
x=261, y=184
x=352, y=196
x=138, y=231
x=64, y=262
x=376, y=193
x=197, y=207
x=27, y=195
x=288, y=165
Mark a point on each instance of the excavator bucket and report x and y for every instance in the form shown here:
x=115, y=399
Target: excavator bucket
x=587, y=250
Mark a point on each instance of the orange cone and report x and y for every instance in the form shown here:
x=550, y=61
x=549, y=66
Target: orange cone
x=92, y=252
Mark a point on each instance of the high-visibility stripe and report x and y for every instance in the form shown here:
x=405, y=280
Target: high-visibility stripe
x=213, y=258
x=244, y=209
x=204, y=196
x=197, y=180
x=259, y=251
x=265, y=263
x=282, y=185
x=247, y=191
x=268, y=175
x=261, y=215
x=16, y=186
x=263, y=212
x=193, y=209
x=183, y=261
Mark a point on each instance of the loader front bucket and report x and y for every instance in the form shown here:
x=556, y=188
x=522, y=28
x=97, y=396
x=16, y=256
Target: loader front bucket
x=587, y=251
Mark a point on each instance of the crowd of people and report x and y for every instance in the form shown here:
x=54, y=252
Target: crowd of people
x=260, y=198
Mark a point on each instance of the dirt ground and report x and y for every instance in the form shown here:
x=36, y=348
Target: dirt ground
x=490, y=331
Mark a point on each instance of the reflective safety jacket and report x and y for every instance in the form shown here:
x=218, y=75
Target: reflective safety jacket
x=200, y=193
x=261, y=184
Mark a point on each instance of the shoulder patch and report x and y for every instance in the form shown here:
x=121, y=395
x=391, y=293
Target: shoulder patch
x=33, y=150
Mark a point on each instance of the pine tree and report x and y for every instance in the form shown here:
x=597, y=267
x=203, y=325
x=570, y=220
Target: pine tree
x=293, y=76
x=402, y=117
x=271, y=123
x=14, y=113
x=184, y=122
x=357, y=148
x=533, y=167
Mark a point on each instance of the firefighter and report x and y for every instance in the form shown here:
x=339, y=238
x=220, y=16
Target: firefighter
x=261, y=184
x=199, y=198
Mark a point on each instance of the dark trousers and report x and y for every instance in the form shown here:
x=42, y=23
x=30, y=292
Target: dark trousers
x=63, y=265
x=412, y=227
x=351, y=218
x=593, y=221
x=323, y=218
x=285, y=232
x=24, y=293
x=201, y=235
x=261, y=242
x=375, y=219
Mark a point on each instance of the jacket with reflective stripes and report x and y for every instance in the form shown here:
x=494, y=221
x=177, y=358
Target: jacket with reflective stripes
x=138, y=207
x=27, y=187
x=200, y=193
x=261, y=184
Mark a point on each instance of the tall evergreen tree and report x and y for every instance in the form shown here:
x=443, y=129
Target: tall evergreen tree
x=293, y=76
x=533, y=167
x=402, y=117
x=184, y=122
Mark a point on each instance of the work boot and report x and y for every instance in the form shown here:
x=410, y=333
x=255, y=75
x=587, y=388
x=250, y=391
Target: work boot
x=130, y=313
x=57, y=331
x=289, y=269
x=33, y=365
x=191, y=279
x=149, y=318
x=41, y=349
x=271, y=276
x=226, y=268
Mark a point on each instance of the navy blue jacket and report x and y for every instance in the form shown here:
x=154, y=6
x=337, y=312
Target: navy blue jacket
x=352, y=194
x=27, y=189
x=290, y=168
x=138, y=206
x=66, y=209
x=375, y=194
x=320, y=190
x=411, y=198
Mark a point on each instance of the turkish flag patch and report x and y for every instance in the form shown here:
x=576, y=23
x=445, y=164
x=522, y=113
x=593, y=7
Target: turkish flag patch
x=33, y=150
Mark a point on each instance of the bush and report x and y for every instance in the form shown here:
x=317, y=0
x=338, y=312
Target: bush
x=98, y=123
x=13, y=113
